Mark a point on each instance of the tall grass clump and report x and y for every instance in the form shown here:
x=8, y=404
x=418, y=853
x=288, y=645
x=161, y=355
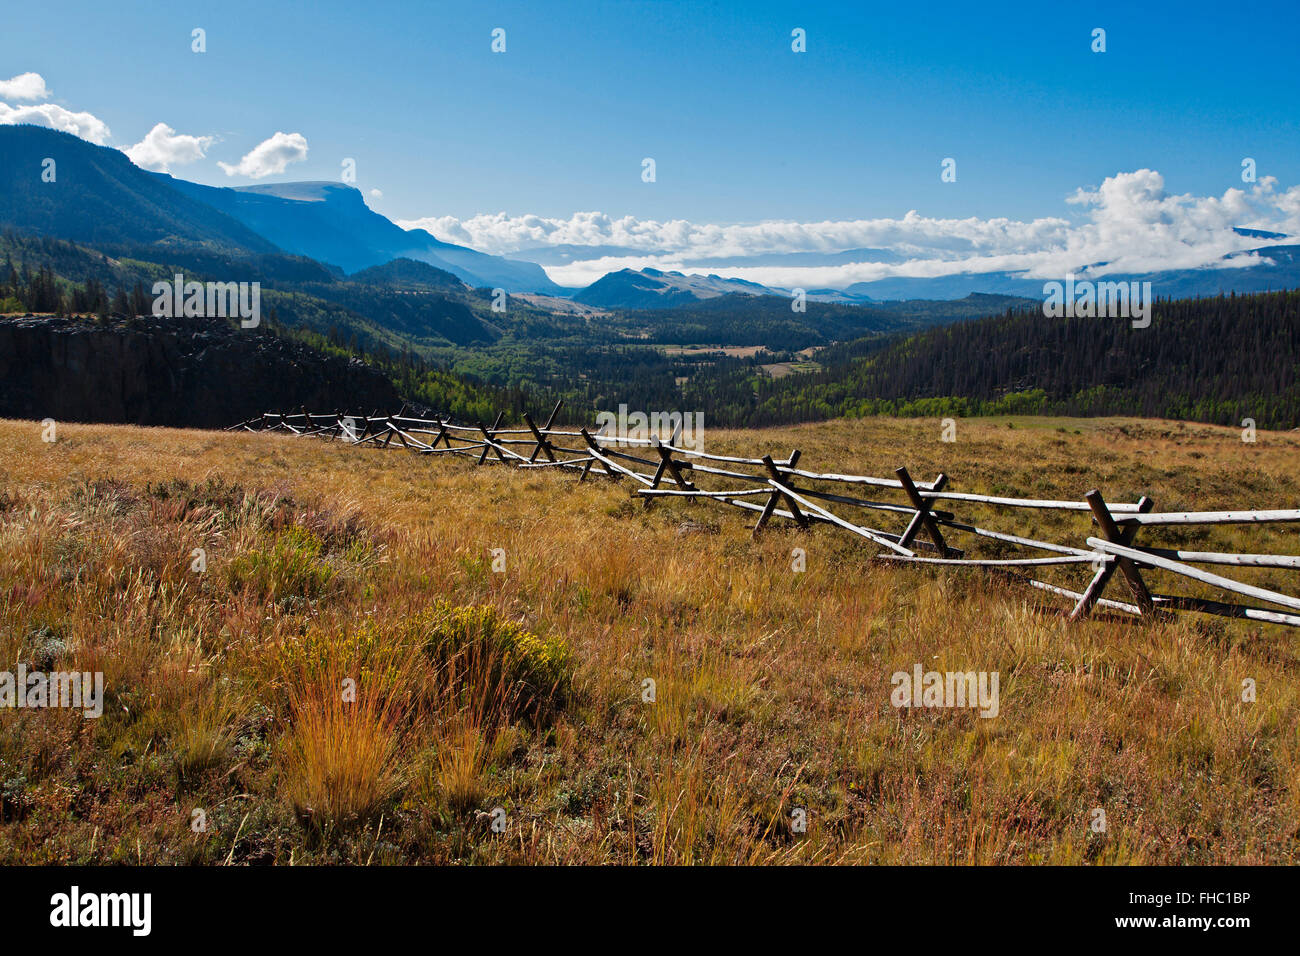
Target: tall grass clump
x=352, y=701
x=292, y=567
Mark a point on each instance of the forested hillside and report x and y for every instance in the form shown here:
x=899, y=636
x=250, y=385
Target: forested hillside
x=1215, y=360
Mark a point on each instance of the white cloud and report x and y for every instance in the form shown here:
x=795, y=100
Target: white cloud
x=163, y=148
x=1129, y=223
x=376, y=194
x=501, y=233
x=24, y=86
x=269, y=157
x=85, y=125
x=31, y=86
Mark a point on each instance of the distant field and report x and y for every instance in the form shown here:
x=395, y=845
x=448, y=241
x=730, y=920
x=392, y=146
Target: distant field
x=227, y=688
x=782, y=369
x=735, y=351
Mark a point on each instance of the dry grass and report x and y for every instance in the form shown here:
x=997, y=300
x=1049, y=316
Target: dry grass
x=224, y=688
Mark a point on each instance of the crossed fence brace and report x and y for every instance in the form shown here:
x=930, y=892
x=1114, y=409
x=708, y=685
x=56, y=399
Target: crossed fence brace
x=780, y=482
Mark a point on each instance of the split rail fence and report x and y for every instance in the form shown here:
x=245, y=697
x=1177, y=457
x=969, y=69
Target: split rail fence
x=777, y=488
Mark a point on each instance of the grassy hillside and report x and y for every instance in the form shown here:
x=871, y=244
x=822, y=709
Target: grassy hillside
x=227, y=687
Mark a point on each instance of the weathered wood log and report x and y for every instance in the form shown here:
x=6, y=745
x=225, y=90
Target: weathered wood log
x=1201, y=605
x=864, y=503
x=487, y=439
x=1030, y=502
x=1009, y=538
x=1219, y=557
x=666, y=463
x=573, y=462
x=1076, y=596
x=993, y=562
x=697, y=493
x=791, y=501
x=1210, y=517
x=543, y=445
x=612, y=467
x=1196, y=574
x=848, y=479
x=914, y=526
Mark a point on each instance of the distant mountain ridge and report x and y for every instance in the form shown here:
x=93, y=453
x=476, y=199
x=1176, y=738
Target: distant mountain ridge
x=97, y=195
x=654, y=289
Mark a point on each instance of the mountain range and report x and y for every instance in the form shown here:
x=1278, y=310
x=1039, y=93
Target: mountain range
x=55, y=184
x=94, y=194
x=84, y=234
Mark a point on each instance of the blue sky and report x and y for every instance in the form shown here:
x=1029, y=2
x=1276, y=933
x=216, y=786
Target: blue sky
x=742, y=129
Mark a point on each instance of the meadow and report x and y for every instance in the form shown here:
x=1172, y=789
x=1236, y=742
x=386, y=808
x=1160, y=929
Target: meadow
x=346, y=671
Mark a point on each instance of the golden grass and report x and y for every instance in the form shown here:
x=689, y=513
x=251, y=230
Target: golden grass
x=772, y=687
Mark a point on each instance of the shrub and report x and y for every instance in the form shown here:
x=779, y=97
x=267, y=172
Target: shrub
x=485, y=652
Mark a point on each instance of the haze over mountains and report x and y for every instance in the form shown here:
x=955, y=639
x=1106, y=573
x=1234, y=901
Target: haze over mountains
x=330, y=222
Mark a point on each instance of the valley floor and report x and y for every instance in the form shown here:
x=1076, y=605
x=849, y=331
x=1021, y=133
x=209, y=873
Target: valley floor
x=320, y=682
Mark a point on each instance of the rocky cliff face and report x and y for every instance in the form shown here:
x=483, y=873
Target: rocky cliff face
x=195, y=373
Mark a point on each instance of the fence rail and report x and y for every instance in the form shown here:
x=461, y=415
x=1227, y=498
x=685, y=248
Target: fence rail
x=777, y=488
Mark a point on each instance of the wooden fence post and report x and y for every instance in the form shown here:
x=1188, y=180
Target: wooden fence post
x=591, y=444
x=923, y=517
x=487, y=447
x=490, y=440
x=1112, y=533
x=543, y=445
x=666, y=463
x=770, y=507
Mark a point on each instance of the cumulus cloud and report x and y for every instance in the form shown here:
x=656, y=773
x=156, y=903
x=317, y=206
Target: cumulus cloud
x=31, y=87
x=24, y=86
x=501, y=233
x=376, y=194
x=163, y=148
x=269, y=157
x=1130, y=223
x=85, y=125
